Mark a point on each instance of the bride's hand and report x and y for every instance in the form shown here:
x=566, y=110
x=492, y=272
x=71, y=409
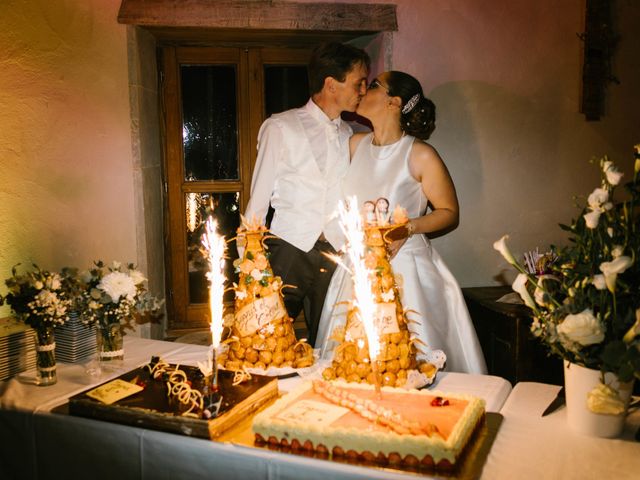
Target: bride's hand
x=395, y=246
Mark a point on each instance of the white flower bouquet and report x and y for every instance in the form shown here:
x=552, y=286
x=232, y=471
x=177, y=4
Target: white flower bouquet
x=37, y=298
x=114, y=294
x=587, y=307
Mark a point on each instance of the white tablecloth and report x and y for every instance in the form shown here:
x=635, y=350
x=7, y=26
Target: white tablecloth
x=39, y=444
x=529, y=446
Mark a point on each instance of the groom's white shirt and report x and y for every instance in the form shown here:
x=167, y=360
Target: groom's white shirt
x=302, y=158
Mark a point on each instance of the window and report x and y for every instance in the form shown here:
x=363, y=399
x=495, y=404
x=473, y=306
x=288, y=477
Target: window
x=215, y=100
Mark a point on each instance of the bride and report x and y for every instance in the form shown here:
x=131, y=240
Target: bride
x=394, y=162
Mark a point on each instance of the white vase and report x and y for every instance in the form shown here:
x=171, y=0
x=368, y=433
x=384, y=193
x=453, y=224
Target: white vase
x=578, y=382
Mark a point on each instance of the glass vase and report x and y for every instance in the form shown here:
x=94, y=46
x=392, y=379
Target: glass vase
x=110, y=344
x=45, y=357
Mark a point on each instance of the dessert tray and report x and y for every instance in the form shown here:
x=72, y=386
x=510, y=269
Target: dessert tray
x=150, y=408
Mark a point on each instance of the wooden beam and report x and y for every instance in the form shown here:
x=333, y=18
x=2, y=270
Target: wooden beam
x=259, y=15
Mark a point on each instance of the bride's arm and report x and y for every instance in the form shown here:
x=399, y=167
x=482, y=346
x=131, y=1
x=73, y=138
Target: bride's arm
x=427, y=167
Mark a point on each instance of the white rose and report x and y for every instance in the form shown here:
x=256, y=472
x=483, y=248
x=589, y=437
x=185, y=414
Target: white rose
x=501, y=246
x=612, y=174
x=582, y=328
x=606, y=400
x=598, y=197
x=592, y=218
x=613, y=268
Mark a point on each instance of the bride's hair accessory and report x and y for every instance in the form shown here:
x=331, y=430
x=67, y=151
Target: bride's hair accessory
x=411, y=103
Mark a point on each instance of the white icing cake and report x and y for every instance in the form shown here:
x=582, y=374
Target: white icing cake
x=398, y=426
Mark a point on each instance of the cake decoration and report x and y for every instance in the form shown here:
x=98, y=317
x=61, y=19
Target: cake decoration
x=113, y=391
x=400, y=427
x=373, y=412
x=399, y=359
x=262, y=337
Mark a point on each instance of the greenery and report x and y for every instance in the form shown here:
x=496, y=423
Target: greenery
x=587, y=307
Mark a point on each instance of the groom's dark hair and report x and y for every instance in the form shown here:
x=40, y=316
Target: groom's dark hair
x=333, y=60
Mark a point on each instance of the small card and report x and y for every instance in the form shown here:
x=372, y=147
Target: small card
x=311, y=412
x=113, y=391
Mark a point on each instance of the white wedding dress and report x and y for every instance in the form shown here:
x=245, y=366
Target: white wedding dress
x=426, y=284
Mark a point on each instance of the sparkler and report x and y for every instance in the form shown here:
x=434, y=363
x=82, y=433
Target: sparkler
x=215, y=246
x=364, y=300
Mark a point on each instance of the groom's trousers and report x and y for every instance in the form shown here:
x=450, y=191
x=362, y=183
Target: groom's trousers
x=310, y=272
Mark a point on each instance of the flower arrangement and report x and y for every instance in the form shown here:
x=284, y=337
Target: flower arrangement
x=37, y=297
x=586, y=308
x=114, y=294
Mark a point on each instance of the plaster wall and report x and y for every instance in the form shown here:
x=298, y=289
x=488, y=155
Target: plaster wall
x=505, y=76
x=66, y=170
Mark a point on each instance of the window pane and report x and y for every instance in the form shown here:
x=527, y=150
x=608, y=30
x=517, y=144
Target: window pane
x=209, y=122
x=285, y=87
x=225, y=208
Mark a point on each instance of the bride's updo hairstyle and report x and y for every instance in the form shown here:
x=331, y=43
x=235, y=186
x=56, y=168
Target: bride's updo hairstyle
x=418, y=113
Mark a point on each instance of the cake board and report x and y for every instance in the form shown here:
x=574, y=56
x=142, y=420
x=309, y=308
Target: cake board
x=469, y=467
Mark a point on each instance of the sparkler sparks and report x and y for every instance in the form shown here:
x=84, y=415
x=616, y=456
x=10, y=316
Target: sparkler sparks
x=364, y=301
x=215, y=246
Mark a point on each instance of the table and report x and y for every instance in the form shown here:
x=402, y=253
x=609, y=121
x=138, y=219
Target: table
x=39, y=444
x=529, y=446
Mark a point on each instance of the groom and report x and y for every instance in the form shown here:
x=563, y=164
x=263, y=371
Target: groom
x=303, y=154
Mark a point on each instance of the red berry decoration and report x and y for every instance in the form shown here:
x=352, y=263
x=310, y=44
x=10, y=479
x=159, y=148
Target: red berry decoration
x=439, y=402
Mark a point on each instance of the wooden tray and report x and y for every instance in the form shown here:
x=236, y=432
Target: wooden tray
x=151, y=408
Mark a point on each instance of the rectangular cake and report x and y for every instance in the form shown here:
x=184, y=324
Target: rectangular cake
x=153, y=408
x=413, y=428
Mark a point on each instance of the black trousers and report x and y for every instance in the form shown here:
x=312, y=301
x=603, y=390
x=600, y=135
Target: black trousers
x=310, y=272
